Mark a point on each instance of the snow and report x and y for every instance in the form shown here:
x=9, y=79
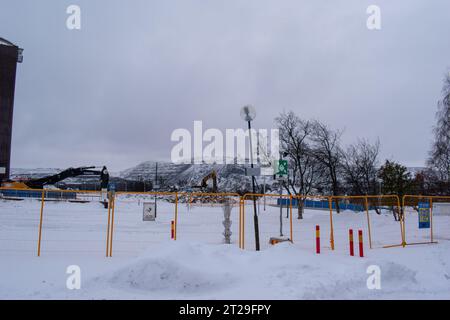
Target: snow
x=147, y=264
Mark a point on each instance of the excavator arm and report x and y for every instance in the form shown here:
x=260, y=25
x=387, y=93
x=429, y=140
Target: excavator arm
x=213, y=176
x=70, y=173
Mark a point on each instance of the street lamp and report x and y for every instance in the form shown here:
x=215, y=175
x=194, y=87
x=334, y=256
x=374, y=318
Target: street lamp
x=248, y=113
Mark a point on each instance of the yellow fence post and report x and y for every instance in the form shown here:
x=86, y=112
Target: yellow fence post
x=290, y=220
x=368, y=221
x=176, y=216
x=40, y=223
x=431, y=218
x=330, y=204
x=402, y=221
x=112, y=224
x=109, y=224
x=240, y=222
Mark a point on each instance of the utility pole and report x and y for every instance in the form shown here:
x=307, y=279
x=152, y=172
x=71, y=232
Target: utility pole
x=264, y=191
x=255, y=214
x=248, y=114
x=287, y=187
x=281, y=209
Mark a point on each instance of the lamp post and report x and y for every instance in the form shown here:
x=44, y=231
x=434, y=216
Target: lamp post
x=248, y=113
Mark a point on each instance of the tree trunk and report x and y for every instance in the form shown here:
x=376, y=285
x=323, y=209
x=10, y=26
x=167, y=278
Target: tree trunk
x=336, y=201
x=396, y=214
x=300, y=208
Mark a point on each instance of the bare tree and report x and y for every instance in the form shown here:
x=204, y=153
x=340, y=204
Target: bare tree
x=295, y=142
x=327, y=152
x=360, y=167
x=439, y=159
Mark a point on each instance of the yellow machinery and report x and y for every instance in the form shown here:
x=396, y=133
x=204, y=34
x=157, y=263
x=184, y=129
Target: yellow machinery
x=213, y=176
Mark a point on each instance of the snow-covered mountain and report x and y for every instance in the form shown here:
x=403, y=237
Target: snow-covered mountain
x=231, y=177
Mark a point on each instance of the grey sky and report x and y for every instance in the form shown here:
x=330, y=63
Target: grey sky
x=113, y=92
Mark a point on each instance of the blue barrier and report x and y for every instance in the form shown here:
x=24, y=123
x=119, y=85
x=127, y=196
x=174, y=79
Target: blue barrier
x=38, y=194
x=314, y=204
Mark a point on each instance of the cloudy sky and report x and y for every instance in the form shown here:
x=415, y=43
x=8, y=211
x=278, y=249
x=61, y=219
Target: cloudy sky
x=113, y=92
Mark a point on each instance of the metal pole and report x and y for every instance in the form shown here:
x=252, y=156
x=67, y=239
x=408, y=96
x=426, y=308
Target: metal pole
x=264, y=192
x=40, y=223
x=368, y=221
x=156, y=182
x=281, y=210
x=109, y=222
x=255, y=216
x=287, y=185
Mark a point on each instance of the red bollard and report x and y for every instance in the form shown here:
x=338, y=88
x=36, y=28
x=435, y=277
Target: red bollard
x=350, y=237
x=318, y=239
x=361, y=250
x=172, y=229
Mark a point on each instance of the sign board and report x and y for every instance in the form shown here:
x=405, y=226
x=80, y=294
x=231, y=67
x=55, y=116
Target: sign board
x=252, y=171
x=281, y=167
x=149, y=211
x=424, y=215
x=2, y=170
x=267, y=171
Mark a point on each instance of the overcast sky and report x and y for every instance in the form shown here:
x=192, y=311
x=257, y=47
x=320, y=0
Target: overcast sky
x=113, y=92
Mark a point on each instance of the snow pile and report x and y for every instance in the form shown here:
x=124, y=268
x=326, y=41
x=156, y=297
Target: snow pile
x=200, y=271
x=170, y=271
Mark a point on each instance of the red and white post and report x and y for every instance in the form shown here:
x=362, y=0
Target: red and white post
x=350, y=238
x=172, y=230
x=317, y=239
x=361, y=249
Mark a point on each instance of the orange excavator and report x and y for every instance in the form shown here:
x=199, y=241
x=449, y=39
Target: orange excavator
x=213, y=176
x=204, y=184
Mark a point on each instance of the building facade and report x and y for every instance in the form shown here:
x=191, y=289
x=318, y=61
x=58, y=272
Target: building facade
x=10, y=55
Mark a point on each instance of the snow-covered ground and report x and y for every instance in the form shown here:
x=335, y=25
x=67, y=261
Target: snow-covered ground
x=147, y=264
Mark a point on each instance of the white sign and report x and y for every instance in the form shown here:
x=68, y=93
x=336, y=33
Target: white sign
x=2, y=170
x=267, y=171
x=149, y=213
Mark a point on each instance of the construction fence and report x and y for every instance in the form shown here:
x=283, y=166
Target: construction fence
x=115, y=223
x=426, y=219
